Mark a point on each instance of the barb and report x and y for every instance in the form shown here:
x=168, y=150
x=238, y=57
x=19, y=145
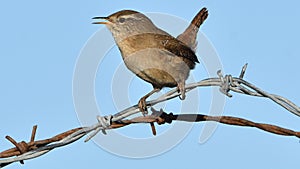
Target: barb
x=32, y=149
x=22, y=149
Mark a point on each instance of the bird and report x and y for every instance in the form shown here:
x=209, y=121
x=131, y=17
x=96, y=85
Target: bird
x=151, y=53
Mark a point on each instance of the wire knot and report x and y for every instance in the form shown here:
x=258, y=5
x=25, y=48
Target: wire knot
x=162, y=116
x=167, y=118
x=226, y=83
x=105, y=122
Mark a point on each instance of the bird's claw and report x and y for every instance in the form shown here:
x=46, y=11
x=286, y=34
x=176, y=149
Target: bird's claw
x=181, y=90
x=143, y=106
x=182, y=96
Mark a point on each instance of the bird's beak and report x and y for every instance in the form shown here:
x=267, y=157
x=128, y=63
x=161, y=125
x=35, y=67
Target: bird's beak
x=99, y=17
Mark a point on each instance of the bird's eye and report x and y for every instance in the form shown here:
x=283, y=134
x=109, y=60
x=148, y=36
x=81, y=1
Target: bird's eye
x=121, y=20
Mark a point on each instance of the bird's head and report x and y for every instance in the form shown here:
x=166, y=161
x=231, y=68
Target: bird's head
x=127, y=23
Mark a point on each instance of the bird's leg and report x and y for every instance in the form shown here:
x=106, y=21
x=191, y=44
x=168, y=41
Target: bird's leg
x=142, y=102
x=181, y=89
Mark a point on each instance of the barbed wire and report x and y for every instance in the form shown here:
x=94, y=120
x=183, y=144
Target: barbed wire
x=32, y=149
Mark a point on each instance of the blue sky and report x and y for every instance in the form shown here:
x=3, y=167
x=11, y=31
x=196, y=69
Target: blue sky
x=41, y=41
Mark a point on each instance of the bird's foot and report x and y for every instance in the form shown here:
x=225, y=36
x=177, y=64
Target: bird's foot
x=143, y=106
x=143, y=109
x=181, y=89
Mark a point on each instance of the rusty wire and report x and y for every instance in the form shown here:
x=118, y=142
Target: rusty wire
x=24, y=151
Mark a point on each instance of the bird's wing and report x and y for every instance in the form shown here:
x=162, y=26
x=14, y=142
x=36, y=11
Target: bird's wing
x=176, y=47
x=190, y=34
x=163, y=41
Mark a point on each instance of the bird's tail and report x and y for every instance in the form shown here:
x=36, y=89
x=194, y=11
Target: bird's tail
x=190, y=34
